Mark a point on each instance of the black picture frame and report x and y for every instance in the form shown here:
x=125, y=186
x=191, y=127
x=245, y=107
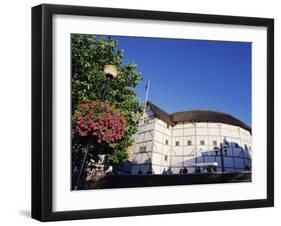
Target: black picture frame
x=42, y=111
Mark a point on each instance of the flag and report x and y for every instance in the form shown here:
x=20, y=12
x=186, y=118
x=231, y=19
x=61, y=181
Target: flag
x=146, y=85
x=146, y=91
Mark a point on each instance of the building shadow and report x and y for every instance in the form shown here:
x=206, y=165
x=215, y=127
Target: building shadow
x=25, y=213
x=224, y=157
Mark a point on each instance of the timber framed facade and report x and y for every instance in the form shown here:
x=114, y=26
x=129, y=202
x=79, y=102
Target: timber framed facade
x=191, y=140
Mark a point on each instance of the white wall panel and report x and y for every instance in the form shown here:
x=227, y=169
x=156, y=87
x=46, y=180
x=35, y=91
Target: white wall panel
x=156, y=158
x=137, y=147
x=158, y=136
x=149, y=126
x=160, y=122
x=214, y=131
x=166, y=149
x=234, y=133
x=189, y=132
x=225, y=132
x=167, y=131
x=202, y=131
x=224, y=126
x=188, y=149
x=177, y=151
x=231, y=127
x=149, y=146
x=156, y=169
x=158, y=127
x=158, y=147
x=213, y=125
x=177, y=161
x=148, y=135
x=177, y=132
x=139, y=137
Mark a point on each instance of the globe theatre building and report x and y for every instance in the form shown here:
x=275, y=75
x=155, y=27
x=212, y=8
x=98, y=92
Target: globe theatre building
x=190, y=142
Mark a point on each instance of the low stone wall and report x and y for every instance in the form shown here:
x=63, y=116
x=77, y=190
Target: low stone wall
x=123, y=181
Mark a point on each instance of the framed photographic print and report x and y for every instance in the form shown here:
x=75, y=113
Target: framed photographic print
x=145, y=112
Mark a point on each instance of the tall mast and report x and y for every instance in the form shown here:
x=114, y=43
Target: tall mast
x=146, y=95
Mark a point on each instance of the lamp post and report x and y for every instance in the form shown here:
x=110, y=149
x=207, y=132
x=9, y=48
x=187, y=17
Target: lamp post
x=222, y=148
x=110, y=72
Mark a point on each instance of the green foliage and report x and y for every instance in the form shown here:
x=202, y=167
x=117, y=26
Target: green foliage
x=89, y=55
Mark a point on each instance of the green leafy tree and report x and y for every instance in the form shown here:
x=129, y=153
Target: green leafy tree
x=89, y=55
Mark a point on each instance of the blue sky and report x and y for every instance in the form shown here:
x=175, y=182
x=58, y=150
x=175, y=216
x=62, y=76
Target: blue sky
x=193, y=74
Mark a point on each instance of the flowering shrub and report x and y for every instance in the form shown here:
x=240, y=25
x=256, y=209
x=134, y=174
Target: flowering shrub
x=100, y=121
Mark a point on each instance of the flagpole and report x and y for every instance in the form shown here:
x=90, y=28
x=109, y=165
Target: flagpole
x=146, y=96
x=144, y=107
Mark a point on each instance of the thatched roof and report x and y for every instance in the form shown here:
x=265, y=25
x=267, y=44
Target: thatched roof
x=159, y=113
x=196, y=116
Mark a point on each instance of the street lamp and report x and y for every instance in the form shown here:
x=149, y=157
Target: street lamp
x=110, y=72
x=223, y=146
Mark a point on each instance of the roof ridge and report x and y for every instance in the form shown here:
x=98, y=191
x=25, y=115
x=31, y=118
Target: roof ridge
x=203, y=110
x=193, y=110
x=194, y=115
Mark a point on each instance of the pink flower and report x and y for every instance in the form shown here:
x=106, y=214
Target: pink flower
x=82, y=134
x=100, y=120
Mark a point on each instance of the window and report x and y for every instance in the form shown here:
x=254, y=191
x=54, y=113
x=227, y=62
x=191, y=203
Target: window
x=189, y=142
x=146, y=121
x=143, y=149
x=215, y=143
x=202, y=142
x=177, y=143
x=166, y=157
x=166, y=142
x=236, y=145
